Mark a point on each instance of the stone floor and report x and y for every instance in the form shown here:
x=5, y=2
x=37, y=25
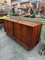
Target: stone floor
x=11, y=50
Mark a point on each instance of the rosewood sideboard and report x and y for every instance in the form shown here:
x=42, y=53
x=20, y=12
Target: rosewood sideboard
x=27, y=33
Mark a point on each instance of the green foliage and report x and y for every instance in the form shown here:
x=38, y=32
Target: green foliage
x=10, y=13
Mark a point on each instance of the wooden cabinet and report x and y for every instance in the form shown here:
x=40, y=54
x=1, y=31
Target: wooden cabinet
x=27, y=33
x=8, y=26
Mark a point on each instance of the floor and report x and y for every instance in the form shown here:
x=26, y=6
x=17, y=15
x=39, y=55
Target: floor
x=11, y=50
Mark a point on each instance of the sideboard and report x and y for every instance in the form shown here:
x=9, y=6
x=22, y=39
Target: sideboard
x=26, y=33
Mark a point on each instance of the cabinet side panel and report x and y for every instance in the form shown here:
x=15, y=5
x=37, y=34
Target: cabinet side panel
x=10, y=28
x=5, y=24
x=36, y=34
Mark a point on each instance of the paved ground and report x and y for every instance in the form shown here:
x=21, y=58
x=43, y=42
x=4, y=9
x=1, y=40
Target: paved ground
x=11, y=50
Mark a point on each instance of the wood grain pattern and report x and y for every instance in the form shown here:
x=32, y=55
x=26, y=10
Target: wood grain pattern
x=8, y=26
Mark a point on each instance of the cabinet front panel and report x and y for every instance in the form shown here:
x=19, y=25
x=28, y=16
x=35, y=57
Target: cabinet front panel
x=18, y=29
x=10, y=28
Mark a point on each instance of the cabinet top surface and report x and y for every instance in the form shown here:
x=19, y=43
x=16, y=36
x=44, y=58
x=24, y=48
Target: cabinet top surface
x=22, y=21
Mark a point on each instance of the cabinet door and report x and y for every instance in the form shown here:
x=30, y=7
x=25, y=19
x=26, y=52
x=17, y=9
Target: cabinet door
x=27, y=35
x=18, y=31
x=8, y=26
